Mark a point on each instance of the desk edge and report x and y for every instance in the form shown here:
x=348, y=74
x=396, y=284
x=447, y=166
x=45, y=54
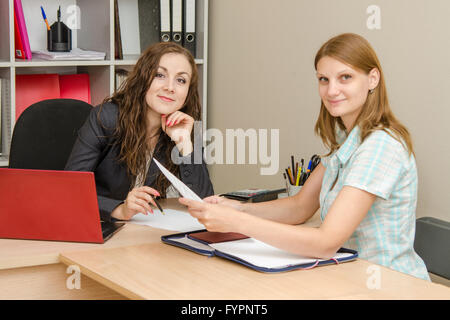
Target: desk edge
x=100, y=279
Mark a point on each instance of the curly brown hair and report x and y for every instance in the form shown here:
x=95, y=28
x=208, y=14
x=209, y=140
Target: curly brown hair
x=131, y=130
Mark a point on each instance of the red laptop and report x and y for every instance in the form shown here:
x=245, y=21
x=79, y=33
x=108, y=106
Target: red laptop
x=51, y=205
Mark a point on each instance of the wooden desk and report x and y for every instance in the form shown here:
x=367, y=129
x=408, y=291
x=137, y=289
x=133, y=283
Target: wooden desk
x=135, y=264
x=31, y=269
x=160, y=271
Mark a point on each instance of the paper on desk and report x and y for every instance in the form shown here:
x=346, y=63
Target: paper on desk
x=178, y=184
x=263, y=255
x=173, y=220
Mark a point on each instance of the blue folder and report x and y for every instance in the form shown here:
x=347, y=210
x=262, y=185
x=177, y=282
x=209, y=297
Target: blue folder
x=173, y=239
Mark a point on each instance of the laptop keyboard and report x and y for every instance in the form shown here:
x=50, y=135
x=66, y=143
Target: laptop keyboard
x=108, y=228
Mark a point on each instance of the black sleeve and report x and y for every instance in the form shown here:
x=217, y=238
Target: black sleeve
x=91, y=145
x=194, y=174
x=107, y=205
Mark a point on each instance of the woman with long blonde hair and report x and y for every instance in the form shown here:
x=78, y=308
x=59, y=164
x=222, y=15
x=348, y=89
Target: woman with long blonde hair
x=365, y=187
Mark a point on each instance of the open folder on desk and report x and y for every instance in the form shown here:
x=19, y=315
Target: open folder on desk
x=250, y=252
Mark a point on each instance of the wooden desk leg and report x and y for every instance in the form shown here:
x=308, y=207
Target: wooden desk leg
x=50, y=282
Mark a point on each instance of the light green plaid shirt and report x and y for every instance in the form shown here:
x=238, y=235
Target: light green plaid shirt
x=380, y=165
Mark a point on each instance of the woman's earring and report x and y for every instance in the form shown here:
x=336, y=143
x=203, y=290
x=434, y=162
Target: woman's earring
x=371, y=91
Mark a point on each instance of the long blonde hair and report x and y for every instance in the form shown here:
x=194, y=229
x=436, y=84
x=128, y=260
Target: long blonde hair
x=376, y=114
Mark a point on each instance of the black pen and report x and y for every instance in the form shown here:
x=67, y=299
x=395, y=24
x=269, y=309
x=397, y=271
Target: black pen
x=285, y=181
x=294, y=172
x=302, y=178
x=157, y=204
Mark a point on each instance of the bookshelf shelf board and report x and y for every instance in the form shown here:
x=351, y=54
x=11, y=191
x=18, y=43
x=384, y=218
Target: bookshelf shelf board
x=62, y=63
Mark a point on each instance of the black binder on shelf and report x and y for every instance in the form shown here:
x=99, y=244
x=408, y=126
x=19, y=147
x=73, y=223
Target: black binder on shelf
x=120, y=77
x=165, y=21
x=149, y=22
x=268, y=259
x=177, y=21
x=118, y=52
x=189, y=35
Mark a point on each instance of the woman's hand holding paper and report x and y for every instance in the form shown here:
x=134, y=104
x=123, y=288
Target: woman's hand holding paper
x=215, y=217
x=235, y=204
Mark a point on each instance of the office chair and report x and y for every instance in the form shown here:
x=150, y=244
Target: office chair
x=45, y=132
x=432, y=243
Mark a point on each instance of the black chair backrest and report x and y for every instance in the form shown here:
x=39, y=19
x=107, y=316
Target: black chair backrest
x=45, y=132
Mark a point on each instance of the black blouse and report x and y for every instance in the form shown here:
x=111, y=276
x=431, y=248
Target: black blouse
x=95, y=150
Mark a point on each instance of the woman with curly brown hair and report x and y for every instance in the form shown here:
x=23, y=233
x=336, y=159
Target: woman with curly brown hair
x=151, y=115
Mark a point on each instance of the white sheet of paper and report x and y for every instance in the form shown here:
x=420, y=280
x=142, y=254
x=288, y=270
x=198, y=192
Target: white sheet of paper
x=263, y=255
x=173, y=220
x=185, y=191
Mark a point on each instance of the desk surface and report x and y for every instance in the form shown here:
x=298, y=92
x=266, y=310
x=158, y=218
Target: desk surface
x=16, y=253
x=136, y=264
x=161, y=271
x=25, y=253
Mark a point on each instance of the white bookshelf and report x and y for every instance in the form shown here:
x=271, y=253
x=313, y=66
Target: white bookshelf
x=96, y=33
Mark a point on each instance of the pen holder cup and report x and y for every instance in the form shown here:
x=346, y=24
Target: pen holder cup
x=293, y=190
x=59, y=38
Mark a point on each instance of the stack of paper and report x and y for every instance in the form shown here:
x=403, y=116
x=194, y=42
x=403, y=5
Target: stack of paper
x=74, y=54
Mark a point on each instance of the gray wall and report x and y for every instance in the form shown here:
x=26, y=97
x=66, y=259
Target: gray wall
x=261, y=75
